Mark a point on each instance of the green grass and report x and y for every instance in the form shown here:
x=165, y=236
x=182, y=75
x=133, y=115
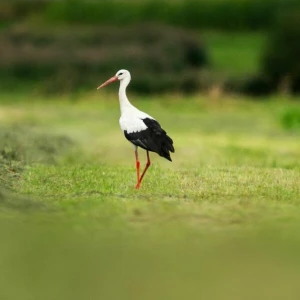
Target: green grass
x=221, y=219
x=237, y=152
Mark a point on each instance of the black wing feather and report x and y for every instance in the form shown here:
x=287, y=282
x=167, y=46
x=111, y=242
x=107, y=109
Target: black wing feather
x=154, y=139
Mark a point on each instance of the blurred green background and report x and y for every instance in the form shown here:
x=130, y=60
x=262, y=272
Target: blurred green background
x=220, y=222
x=244, y=46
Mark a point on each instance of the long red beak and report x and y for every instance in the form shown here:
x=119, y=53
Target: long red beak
x=113, y=79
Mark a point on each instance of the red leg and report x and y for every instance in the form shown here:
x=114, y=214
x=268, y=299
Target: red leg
x=146, y=168
x=137, y=164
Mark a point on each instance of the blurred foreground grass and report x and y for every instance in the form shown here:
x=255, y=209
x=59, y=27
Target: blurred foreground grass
x=220, y=222
x=50, y=262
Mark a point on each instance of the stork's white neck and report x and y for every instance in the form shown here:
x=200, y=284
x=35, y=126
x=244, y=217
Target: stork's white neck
x=124, y=102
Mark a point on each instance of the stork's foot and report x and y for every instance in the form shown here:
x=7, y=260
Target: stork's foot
x=138, y=185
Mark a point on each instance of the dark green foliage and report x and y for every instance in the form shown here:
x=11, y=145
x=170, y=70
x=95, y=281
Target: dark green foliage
x=226, y=14
x=159, y=58
x=252, y=85
x=281, y=62
x=230, y=14
x=233, y=14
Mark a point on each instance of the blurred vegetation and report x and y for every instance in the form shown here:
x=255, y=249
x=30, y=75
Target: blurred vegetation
x=216, y=14
x=44, y=261
x=290, y=118
x=10, y=202
x=281, y=64
x=22, y=145
x=63, y=46
x=161, y=58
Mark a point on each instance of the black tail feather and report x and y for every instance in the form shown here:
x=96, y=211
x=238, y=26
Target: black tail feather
x=166, y=148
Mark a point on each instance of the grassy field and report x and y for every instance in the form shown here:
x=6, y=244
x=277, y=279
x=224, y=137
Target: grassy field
x=220, y=222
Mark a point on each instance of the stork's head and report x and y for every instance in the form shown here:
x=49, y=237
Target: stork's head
x=120, y=75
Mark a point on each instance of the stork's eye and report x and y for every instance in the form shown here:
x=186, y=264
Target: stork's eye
x=120, y=74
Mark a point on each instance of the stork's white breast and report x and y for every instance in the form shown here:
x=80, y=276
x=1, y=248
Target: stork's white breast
x=132, y=121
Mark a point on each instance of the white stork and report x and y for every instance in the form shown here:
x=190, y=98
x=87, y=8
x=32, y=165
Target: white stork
x=139, y=128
